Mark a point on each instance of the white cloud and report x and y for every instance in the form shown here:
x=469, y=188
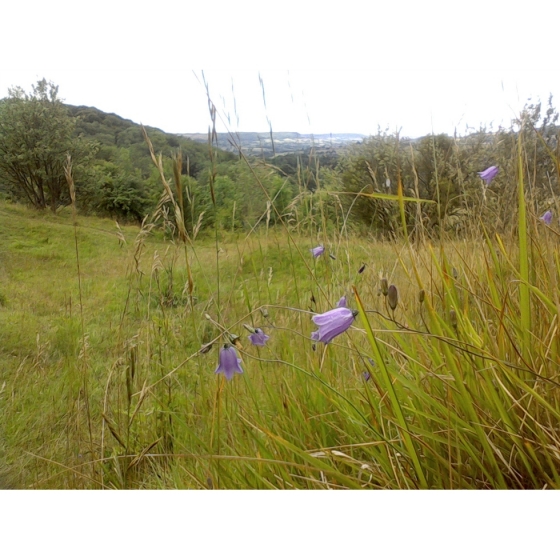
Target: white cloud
x=409, y=65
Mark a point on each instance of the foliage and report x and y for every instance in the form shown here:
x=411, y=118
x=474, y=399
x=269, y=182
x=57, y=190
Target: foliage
x=445, y=169
x=36, y=136
x=110, y=191
x=369, y=168
x=309, y=189
x=244, y=195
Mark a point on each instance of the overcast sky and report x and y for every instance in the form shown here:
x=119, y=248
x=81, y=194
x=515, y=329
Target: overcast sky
x=349, y=66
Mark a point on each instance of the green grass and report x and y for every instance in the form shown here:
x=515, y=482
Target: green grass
x=115, y=393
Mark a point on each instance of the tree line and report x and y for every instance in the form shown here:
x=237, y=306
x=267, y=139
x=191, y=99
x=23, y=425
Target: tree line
x=115, y=175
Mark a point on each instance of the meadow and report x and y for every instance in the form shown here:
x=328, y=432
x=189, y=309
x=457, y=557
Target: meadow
x=110, y=337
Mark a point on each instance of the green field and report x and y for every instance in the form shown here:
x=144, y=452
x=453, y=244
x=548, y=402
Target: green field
x=103, y=383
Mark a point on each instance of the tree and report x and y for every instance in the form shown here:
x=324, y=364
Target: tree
x=36, y=136
x=108, y=190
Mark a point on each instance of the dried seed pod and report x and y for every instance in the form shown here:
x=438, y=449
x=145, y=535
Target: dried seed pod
x=235, y=340
x=264, y=312
x=421, y=296
x=384, y=286
x=205, y=348
x=453, y=318
x=362, y=268
x=392, y=296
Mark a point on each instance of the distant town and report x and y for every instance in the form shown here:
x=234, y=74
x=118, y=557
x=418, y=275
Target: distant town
x=268, y=144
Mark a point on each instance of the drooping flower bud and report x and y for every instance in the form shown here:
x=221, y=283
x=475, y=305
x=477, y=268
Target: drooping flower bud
x=392, y=296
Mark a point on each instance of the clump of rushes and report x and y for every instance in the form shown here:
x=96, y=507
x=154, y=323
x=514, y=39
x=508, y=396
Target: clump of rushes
x=228, y=362
x=332, y=323
x=384, y=286
x=392, y=296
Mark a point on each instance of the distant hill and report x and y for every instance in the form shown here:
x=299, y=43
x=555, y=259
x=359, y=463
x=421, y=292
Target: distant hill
x=110, y=129
x=113, y=133
x=264, y=145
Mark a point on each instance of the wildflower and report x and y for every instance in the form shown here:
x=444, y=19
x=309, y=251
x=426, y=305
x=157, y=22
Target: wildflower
x=318, y=251
x=332, y=323
x=342, y=302
x=392, y=296
x=258, y=338
x=366, y=374
x=547, y=217
x=229, y=363
x=488, y=174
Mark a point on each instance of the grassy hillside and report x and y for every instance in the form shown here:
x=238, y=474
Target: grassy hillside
x=115, y=133
x=108, y=354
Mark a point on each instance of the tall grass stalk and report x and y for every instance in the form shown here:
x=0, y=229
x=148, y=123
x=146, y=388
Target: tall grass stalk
x=84, y=353
x=524, y=299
